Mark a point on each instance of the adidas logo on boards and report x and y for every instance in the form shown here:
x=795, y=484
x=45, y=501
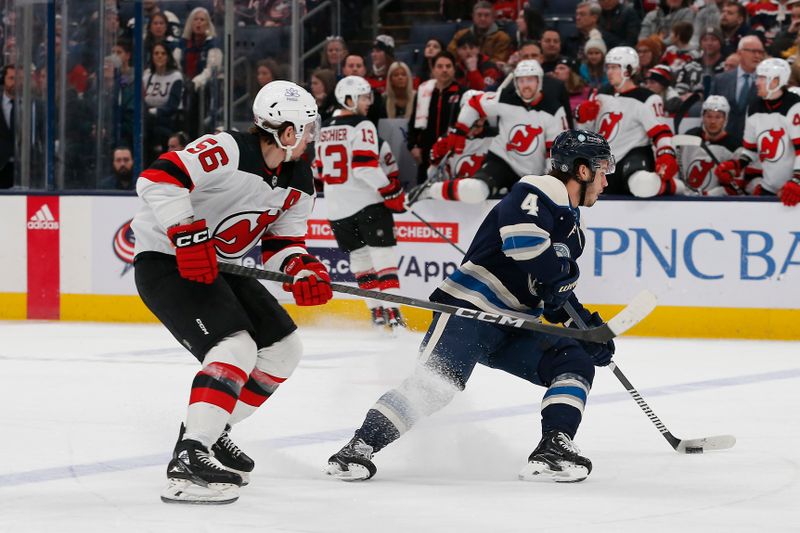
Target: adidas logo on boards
x=43, y=219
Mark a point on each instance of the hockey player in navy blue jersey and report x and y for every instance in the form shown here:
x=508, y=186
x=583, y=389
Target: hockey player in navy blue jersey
x=523, y=260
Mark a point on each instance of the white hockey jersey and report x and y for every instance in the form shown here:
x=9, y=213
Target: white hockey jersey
x=350, y=160
x=222, y=178
x=526, y=131
x=467, y=163
x=697, y=167
x=631, y=119
x=772, y=139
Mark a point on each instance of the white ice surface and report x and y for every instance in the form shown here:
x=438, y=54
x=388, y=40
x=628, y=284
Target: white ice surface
x=89, y=414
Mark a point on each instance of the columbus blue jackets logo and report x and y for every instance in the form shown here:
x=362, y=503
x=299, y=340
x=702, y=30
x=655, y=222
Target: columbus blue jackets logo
x=523, y=139
x=770, y=145
x=124, y=241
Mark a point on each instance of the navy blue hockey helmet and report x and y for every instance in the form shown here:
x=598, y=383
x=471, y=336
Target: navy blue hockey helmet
x=572, y=147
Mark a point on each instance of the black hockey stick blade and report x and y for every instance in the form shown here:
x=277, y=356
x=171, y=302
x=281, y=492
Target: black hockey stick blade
x=632, y=314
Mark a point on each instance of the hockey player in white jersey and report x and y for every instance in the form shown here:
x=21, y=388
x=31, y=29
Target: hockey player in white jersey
x=771, y=138
x=360, y=197
x=632, y=120
x=528, y=121
x=214, y=201
x=697, y=166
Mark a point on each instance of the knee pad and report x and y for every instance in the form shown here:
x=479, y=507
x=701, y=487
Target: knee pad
x=644, y=184
x=281, y=358
x=238, y=350
x=361, y=260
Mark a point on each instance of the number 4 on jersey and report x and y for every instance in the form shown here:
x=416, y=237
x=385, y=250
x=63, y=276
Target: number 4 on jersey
x=529, y=204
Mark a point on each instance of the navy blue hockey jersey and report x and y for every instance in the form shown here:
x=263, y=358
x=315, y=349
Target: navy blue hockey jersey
x=519, y=242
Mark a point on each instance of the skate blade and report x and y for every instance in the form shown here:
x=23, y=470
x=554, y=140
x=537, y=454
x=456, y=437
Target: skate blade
x=187, y=492
x=538, y=471
x=354, y=472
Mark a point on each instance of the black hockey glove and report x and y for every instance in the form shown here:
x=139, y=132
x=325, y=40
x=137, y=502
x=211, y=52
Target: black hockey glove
x=556, y=293
x=601, y=353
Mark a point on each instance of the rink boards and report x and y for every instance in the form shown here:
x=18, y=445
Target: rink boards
x=719, y=268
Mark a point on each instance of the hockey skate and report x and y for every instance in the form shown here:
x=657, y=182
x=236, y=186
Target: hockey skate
x=378, y=317
x=353, y=462
x=231, y=457
x=195, y=477
x=556, y=458
x=393, y=318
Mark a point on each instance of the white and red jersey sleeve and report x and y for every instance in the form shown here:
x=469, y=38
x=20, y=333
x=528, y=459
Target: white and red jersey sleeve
x=366, y=151
x=387, y=160
x=479, y=106
x=655, y=123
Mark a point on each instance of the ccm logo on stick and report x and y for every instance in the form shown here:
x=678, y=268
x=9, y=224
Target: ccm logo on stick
x=490, y=317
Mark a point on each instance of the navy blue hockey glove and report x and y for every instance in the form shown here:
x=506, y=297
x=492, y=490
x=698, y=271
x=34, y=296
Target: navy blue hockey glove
x=601, y=353
x=557, y=292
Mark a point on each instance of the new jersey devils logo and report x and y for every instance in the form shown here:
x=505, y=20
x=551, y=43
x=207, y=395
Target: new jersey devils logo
x=235, y=235
x=770, y=145
x=609, y=125
x=699, y=174
x=523, y=138
x=466, y=166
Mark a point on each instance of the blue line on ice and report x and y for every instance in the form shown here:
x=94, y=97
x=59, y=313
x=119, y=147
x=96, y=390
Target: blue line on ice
x=145, y=461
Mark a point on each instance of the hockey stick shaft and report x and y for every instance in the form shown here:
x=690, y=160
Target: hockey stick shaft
x=437, y=232
x=599, y=334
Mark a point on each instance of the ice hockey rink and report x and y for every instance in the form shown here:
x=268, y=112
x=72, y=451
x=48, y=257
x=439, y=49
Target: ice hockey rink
x=90, y=414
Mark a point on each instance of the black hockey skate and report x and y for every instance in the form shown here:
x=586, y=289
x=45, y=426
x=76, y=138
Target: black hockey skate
x=557, y=459
x=194, y=476
x=393, y=318
x=378, y=317
x=353, y=462
x=231, y=457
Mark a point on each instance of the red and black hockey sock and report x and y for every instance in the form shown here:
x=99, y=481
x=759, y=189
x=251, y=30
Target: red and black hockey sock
x=367, y=280
x=388, y=279
x=218, y=384
x=450, y=189
x=259, y=388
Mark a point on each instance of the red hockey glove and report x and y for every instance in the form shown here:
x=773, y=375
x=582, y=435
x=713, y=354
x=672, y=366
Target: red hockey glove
x=394, y=197
x=587, y=111
x=727, y=171
x=558, y=291
x=790, y=193
x=457, y=138
x=312, y=284
x=440, y=149
x=194, y=251
x=667, y=165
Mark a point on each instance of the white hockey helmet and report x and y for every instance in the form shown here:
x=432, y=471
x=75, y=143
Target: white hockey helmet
x=279, y=102
x=772, y=68
x=627, y=59
x=528, y=67
x=352, y=87
x=719, y=103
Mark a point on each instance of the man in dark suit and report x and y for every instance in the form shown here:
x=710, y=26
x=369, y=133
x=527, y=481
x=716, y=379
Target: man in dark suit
x=739, y=86
x=8, y=74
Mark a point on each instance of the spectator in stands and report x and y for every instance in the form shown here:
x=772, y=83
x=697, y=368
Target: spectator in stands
x=333, y=53
x=650, y=51
x=551, y=49
x=436, y=105
x=680, y=51
x=121, y=177
x=659, y=80
x=784, y=44
x=199, y=53
x=567, y=72
x=620, y=20
x=177, y=141
x=733, y=23
x=530, y=24
x=123, y=92
x=432, y=49
x=150, y=9
x=527, y=50
x=474, y=70
x=493, y=41
x=163, y=92
x=731, y=62
x=267, y=70
x=381, y=57
x=158, y=33
x=7, y=130
x=587, y=16
x=738, y=86
x=399, y=95
x=696, y=75
x=705, y=16
x=323, y=82
x=354, y=66
x=272, y=13
x=593, y=70
x=768, y=18
x=660, y=20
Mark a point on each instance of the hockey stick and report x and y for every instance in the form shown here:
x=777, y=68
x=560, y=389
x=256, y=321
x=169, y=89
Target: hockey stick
x=438, y=175
x=695, y=140
x=632, y=314
x=717, y=442
x=436, y=231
